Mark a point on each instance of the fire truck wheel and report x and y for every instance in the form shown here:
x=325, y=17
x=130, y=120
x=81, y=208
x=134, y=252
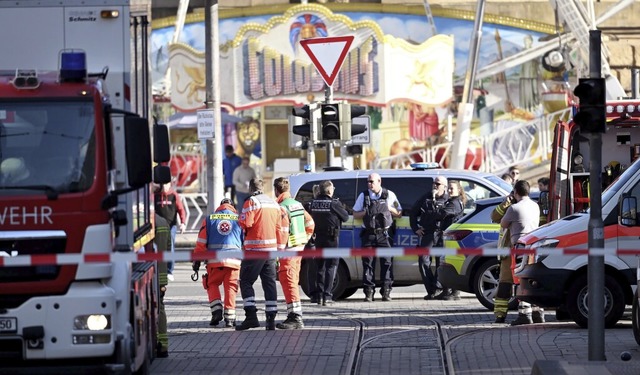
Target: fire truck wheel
x=577, y=301
x=145, y=368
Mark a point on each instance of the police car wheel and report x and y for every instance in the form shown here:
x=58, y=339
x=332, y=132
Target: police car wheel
x=485, y=284
x=340, y=282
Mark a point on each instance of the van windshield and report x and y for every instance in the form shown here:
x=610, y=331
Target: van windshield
x=46, y=143
x=611, y=191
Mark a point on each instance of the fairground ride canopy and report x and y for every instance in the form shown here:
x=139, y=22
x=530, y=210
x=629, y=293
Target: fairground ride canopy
x=265, y=64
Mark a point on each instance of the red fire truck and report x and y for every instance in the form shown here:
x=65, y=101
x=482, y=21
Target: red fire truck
x=75, y=169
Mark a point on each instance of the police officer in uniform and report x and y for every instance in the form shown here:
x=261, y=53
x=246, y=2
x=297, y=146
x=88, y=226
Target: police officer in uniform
x=377, y=236
x=424, y=222
x=328, y=214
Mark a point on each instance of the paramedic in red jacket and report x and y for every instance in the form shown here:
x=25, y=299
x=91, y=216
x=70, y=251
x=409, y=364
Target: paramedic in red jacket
x=221, y=232
x=261, y=219
x=298, y=232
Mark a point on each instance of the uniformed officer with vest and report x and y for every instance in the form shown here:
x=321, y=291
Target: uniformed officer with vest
x=328, y=214
x=428, y=227
x=299, y=230
x=375, y=233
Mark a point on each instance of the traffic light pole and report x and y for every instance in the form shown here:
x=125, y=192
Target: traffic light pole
x=328, y=99
x=595, y=275
x=215, y=185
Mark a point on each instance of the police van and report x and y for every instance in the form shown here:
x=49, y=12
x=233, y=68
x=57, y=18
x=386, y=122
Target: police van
x=408, y=185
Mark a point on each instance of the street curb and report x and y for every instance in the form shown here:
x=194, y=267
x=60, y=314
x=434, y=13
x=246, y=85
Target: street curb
x=549, y=367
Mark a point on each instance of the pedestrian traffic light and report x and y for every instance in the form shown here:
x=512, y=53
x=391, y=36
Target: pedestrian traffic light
x=347, y=114
x=330, y=119
x=357, y=111
x=304, y=113
x=591, y=115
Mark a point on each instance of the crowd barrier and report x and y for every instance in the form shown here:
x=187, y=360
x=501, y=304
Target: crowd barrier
x=10, y=260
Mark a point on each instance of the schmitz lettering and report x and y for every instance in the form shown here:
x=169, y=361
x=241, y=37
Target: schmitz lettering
x=19, y=215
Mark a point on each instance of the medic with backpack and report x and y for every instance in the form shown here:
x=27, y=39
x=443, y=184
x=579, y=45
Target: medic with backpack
x=377, y=207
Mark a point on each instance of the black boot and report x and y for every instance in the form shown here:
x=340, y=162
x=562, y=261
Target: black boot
x=522, y=319
x=538, y=316
x=451, y=295
x=293, y=321
x=446, y=295
x=368, y=295
x=271, y=321
x=251, y=319
x=216, y=317
x=386, y=295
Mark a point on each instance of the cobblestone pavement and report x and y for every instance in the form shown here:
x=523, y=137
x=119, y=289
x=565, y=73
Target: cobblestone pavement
x=405, y=336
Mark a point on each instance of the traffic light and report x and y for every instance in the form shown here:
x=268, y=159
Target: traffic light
x=347, y=114
x=330, y=120
x=303, y=129
x=591, y=114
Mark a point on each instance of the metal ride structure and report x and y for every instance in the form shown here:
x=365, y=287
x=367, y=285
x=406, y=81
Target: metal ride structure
x=574, y=46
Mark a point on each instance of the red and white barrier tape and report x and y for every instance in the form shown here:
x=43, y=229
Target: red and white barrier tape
x=184, y=256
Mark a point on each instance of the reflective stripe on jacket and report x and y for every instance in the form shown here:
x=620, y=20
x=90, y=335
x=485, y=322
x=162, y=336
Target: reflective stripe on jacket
x=221, y=232
x=261, y=220
x=301, y=223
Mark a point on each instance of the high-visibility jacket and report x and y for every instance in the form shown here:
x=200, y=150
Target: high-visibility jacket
x=261, y=219
x=496, y=216
x=301, y=225
x=221, y=232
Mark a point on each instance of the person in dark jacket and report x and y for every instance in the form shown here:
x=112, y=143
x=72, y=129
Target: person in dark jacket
x=328, y=215
x=230, y=162
x=429, y=230
x=450, y=213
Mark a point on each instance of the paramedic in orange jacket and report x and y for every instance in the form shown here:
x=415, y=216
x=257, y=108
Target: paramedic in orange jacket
x=261, y=219
x=299, y=229
x=221, y=232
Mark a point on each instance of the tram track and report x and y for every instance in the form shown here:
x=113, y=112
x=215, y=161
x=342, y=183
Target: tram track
x=365, y=340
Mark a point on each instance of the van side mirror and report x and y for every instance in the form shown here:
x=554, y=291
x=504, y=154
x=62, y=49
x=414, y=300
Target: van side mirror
x=161, y=151
x=628, y=211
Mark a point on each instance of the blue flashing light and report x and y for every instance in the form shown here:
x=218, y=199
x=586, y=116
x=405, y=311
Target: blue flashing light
x=423, y=166
x=73, y=65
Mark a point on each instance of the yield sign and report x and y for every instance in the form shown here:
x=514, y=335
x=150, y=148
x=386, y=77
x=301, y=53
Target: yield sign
x=327, y=54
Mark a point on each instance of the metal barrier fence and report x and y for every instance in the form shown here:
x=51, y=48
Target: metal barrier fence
x=509, y=144
x=66, y=259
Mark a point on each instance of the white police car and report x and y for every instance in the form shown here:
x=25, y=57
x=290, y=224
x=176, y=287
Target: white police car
x=408, y=185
